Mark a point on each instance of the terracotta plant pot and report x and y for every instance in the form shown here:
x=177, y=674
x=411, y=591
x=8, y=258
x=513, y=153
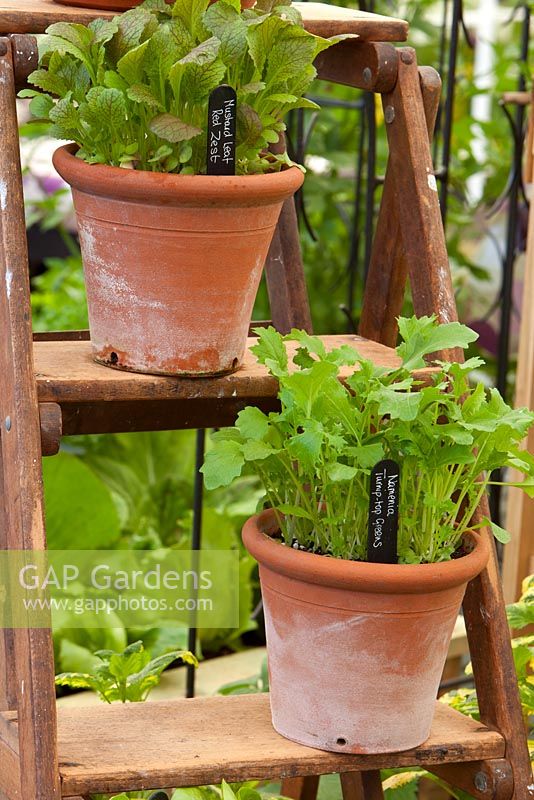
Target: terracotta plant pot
x=356, y=650
x=172, y=263
x=123, y=5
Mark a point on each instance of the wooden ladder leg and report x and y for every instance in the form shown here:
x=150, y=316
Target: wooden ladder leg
x=301, y=788
x=21, y=457
x=493, y=666
x=362, y=785
x=416, y=196
x=8, y=682
x=284, y=273
x=385, y=286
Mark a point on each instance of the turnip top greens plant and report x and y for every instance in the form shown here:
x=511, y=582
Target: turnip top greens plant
x=133, y=91
x=315, y=456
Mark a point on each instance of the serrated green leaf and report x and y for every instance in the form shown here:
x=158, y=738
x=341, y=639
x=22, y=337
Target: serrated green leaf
x=66, y=117
x=103, y=29
x=80, y=36
x=261, y=39
x=191, y=12
x=104, y=107
x=397, y=404
x=270, y=350
x=294, y=511
x=173, y=129
x=222, y=464
x=291, y=53
x=224, y=21
x=423, y=337
x=520, y=614
x=140, y=93
x=200, y=79
x=41, y=106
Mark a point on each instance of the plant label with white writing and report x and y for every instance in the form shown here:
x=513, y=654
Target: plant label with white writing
x=222, y=115
x=384, y=512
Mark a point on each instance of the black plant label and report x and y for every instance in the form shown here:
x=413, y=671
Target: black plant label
x=222, y=114
x=384, y=512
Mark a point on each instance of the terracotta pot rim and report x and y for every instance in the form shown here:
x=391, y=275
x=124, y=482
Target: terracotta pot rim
x=357, y=575
x=159, y=188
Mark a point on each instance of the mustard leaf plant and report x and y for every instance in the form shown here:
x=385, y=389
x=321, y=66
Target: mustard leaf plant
x=316, y=454
x=133, y=91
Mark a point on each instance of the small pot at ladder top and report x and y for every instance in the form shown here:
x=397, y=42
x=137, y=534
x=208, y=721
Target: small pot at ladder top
x=172, y=263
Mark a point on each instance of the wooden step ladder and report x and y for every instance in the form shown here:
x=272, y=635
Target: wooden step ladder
x=49, y=387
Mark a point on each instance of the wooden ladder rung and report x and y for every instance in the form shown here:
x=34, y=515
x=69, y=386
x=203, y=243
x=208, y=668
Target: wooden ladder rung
x=98, y=399
x=33, y=16
x=201, y=741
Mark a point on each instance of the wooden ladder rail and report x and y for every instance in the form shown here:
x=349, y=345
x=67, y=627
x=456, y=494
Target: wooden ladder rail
x=376, y=67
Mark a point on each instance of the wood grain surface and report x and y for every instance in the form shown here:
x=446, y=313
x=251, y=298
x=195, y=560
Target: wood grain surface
x=191, y=742
x=66, y=372
x=34, y=16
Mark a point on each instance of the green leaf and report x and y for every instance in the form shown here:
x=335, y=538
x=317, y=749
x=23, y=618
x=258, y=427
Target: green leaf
x=249, y=126
x=500, y=533
x=270, y=350
x=520, y=614
x=222, y=464
x=103, y=29
x=205, y=53
x=200, y=79
x=173, y=129
x=397, y=404
x=225, y=22
x=261, y=39
x=79, y=506
x=341, y=472
x=41, y=106
x=257, y=451
x=190, y=12
x=423, y=336
x=130, y=66
x=104, y=107
x=252, y=423
x=366, y=455
x=292, y=52
x=227, y=791
x=142, y=94
x=66, y=118
x=133, y=25
x=48, y=81
x=310, y=343
x=306, y=447
x=72, y=38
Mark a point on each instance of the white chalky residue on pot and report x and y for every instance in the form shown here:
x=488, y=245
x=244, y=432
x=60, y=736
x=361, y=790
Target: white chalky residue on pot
x=362, y=667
